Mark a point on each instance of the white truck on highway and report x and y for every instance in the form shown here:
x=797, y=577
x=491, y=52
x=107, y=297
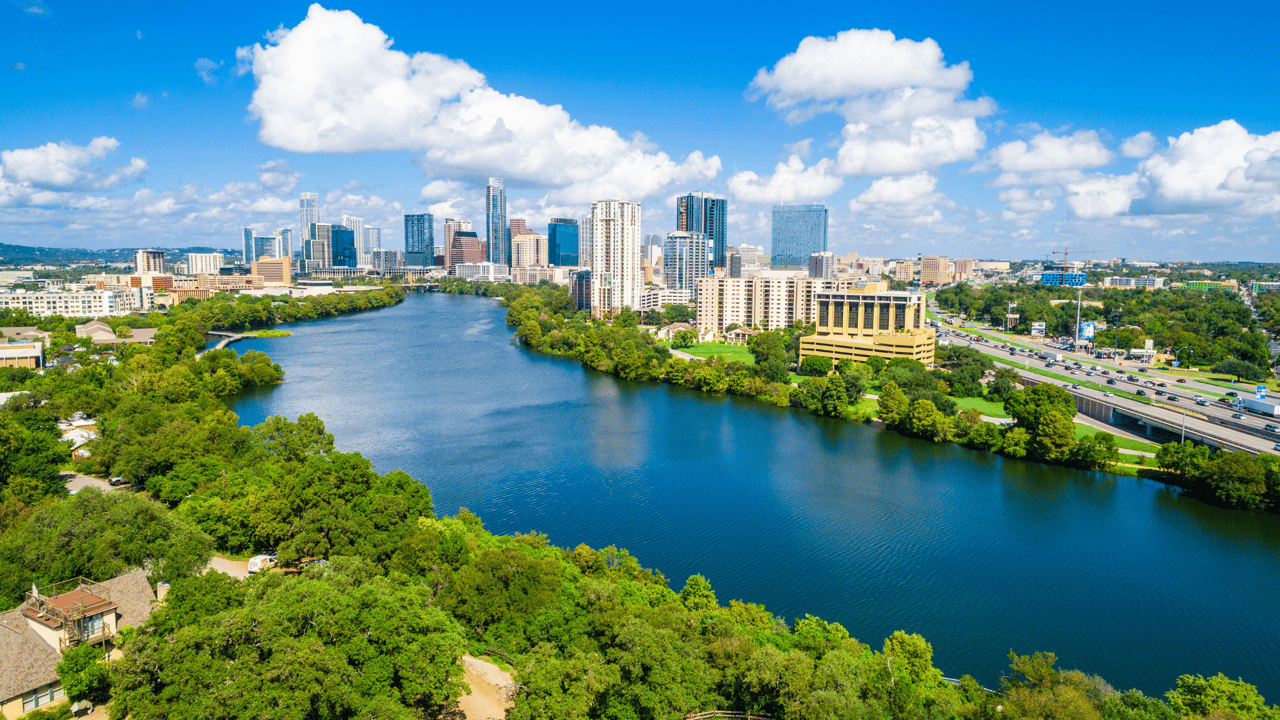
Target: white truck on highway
x=1051, y=356
x=1262, y=407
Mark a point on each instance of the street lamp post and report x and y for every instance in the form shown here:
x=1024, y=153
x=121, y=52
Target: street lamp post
x=1175, y=356
x=1115, y=348
x=1006, y=317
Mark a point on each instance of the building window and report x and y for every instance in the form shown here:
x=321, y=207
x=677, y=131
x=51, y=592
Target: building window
x=42, y=696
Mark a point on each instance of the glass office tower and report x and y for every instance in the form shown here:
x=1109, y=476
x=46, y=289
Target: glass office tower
x=344, y=247
x=309, y=209
x=419, y=240
x=562, y=242
x=698, y=212
x=798, y=232
x=498, y=234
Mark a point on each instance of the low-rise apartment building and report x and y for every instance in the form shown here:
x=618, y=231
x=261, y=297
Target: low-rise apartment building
x=74, y=303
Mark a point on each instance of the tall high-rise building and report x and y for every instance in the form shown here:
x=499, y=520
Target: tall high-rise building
x=419, y=239
x=356, y=226
x=496, y=231
x=320, y=246
x=700, y=212
x=370, y=243
x=152, y=261
x=584, y=242
x=562, y=242
x=613, y=231
x=684, y=261
x=345, y=252
x=798, y=232
x=309, y=210
x=822, y=265
x=450, y=226
x=750, y=255
x=284, y=243
x=248, y=253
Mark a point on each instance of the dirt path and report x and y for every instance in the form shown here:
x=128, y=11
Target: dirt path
x=234, y=568
x=490, y=687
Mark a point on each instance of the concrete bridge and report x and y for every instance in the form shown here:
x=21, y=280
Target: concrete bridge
x=227, y=339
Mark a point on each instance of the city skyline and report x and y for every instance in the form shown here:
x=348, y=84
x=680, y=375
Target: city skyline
x=918, y=132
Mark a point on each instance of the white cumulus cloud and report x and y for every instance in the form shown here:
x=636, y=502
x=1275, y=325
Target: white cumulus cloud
x=904, y=107
x=1138, y=146
x=911, y=198
x=1104, y=196
x=1211, y=166
x=791, y=182
x=1024, y=206
x=67, y=166
x=333, y=83
x=1048, y=152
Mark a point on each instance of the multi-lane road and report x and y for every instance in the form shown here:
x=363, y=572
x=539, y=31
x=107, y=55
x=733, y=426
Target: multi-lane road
x=1213, y=422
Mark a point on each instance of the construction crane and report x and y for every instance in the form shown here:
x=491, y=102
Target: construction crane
x=1065, y=253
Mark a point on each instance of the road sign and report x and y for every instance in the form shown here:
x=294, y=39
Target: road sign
x=1262, y=392
x=1176, y=363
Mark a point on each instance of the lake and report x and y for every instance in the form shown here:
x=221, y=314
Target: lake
x=980, y=554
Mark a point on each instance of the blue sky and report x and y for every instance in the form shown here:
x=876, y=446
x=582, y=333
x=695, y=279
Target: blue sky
x=1139, y=130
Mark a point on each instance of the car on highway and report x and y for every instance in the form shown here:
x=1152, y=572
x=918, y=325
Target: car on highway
x=1076, y=386
x=1237, y=416
x=1133, y=378
x=1159, y=392
x=1162, y=384
x=1142, y=393
x=1276, y=446
x=1106, y=372
x=1148, y=383
x=1173, y=398
x=1202, y=401
x=1075, y=372
x=1271, y=428
x=1182, y=380
x=1108, y=394
x=1111, y=381
x=1232, y=394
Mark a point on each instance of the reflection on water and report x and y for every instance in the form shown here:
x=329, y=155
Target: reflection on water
x=980, y=554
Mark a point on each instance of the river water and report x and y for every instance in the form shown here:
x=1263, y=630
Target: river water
x=981, y=555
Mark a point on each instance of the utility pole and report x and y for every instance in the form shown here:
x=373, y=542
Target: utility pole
x=1115, y=348
x=1079, y=295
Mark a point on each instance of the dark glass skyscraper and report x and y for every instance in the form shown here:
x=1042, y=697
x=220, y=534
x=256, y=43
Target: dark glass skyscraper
x=497, y=232
x=798, y=232
x=419, y=240
x=699, y=212
x=562, y=242
x=344, y=247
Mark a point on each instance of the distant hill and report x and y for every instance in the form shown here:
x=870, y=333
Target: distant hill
x=26, y=255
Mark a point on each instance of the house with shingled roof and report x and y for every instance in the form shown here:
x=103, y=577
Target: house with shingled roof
x=56, y=618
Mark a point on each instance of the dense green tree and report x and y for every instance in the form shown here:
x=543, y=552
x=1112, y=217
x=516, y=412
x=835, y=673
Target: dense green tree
x=626, y=319
x=338, y=644
x=83, y=673
x=684, y=339
x=815, y=365
x=1030, y=406
x=834, y=397
x=697, y=595
x=1236, y=479
x=1016, y=442
x=1095, y=452
x=893, y=404
x=1185, y=458
x=1241, y=369
x=1054, y=438
x=1198, y=696
x=768, y=346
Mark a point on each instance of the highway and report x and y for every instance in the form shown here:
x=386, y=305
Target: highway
x=1212, y=423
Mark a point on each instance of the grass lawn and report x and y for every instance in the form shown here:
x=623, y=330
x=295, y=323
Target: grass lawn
x=1123, y=443
x=729, y=352
x=986, y=407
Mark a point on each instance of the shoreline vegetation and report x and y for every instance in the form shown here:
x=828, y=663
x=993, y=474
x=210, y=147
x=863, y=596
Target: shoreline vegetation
x=912, y=400
x=377, y=598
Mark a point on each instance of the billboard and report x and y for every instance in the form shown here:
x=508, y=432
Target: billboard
x=1086, y=330
x=1037, y=329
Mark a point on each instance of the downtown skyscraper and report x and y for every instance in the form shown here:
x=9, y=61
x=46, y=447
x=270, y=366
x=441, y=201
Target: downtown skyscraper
x=684, y=261
x=798, y=232
x=698, y=212
x=309, y=209
x=419, y=240
x=496, y=231
x=613, y=232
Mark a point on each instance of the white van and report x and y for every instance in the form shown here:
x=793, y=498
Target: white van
x=260, y=563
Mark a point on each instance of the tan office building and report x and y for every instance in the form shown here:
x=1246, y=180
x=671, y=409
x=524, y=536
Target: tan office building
x=861, y=323
x=964, y=269
x=904, y=271
x=934, y=270
x=528, y=249
x=274, y=273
